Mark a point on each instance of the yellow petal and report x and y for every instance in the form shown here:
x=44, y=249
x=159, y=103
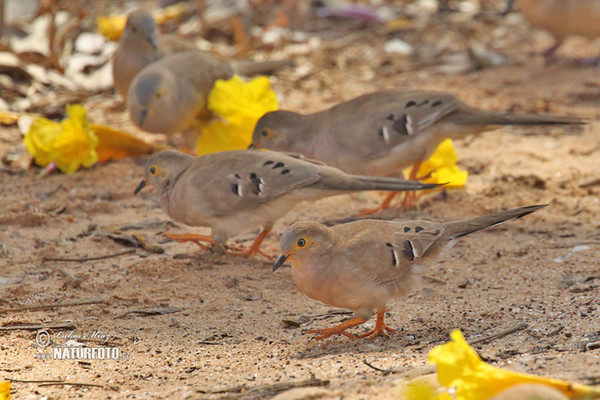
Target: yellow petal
x=458, y=366
x=70, y=144
x=114, y=144
x=111, y=26
x=441, y=167
x=5, y=390
x=237, y=106
x=421, y=388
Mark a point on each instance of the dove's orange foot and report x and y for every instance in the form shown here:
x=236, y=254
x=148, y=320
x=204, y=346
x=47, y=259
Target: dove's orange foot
x=254, y=248
x=341, y=329
x=383, y=206
x=380, y=328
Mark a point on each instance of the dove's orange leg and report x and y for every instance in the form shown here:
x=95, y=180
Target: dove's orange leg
x=380, y=328
x=255, y=247
x=191, y=237
x=341, y=329
x=409, y=197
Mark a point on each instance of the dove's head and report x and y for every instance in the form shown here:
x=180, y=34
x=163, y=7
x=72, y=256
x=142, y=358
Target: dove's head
x=142, y=26
x=278, y=130
x=150, y=95
x=163, y=169
x=302, y=242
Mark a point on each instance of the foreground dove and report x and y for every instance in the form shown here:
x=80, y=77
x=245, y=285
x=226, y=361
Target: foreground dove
x=139, y=45
x=562, y=18
x=171, y=95
x=362, y=265
x=237, y=191
x=384, y=132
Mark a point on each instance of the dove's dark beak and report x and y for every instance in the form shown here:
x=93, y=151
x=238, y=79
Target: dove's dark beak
x=252, y=146
x=153, y=41
x=280, y=260
x=143, y=115
x=509, y=6
x=140, y=186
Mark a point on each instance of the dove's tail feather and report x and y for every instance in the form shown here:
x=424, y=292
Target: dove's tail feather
x=360, y=182
x=260, y=67
x=458, y=229
x=478, y=117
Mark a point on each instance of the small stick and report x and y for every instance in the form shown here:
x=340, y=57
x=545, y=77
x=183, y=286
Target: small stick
x=84, y=259
x=46, y=306
x=62, y=383
x=385, y=371
x=519, y=327
x=32, y=327
x=35, y=380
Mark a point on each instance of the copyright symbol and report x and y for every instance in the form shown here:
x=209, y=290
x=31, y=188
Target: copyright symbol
x=42, y=339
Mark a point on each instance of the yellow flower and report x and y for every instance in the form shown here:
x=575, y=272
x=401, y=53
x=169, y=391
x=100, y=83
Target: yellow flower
x=69, y=144
x=238, y=106
x=441, y=167
x=111, y=26
x=459, y=366
x=5, y=390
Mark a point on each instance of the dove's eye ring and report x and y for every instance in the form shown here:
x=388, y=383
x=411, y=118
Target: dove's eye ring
x=152, y=170
x=301, y=242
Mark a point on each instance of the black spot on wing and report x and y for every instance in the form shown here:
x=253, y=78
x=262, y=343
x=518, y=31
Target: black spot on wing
x=285, y=171
x=390, y=117
x=395, y=260
x=256, y=183
x=418, y=229
x=278, y=165
x=235, y=189
x=388, y=244
x=268, y=163
x=410, y=104
x=408, y=250
x=437, y=104
x=407, y=229
x=237, y=176
x=399, y=125
x=437, y=232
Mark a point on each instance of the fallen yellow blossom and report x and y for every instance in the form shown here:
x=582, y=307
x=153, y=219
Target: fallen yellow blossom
x=237, y=106
x=5, y=390
x=112, y=26
x=459, y=367
x=441, y=167
x=70, y=143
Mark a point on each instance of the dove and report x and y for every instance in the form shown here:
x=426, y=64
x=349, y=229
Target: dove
x=384, y=132
x=140, y=45
x=236, y=191
x=362, y=265
x=170, y=95
x=562, y=18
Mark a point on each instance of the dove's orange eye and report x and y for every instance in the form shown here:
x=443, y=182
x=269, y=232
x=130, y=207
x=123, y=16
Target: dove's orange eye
x=152, y=170
x=301, y=242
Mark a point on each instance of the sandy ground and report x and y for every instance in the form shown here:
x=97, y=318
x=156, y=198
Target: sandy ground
x=200, y=325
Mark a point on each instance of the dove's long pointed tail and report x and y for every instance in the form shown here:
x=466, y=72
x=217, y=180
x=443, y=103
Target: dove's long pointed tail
x=387, y=183
x=478, y=117
x=458, y=229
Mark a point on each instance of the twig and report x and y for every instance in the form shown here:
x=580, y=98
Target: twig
x=35, y=380
x=385, y=371
x=266, y=391
x=72, y=384
x=159, y=311
x=84, y=259
x=46, y=306
x=32, y=327
x=519, y=327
